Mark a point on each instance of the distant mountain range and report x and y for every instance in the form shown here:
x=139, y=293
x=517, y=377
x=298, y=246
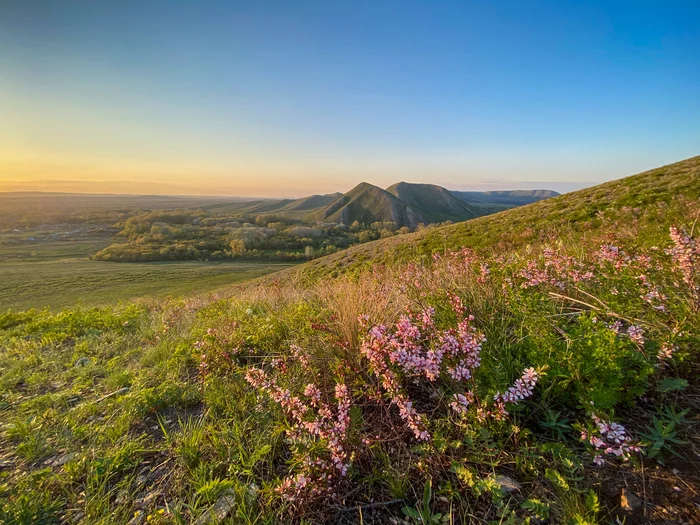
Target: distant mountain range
x=406, y=204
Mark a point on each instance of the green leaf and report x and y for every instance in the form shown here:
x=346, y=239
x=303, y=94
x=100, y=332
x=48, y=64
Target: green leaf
x=427, y=493
x=538, y=508
x=556, y=478
x=592, y=502
x=670, y=384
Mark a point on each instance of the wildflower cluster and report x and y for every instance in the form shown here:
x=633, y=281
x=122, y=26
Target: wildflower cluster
x=614, y=255
x=685, y=253
x=636, y=334
x=521, y=389
x=415, y=349
x=609, y=438
x=554, y=269
x=217, y=350
x=666, y=352
x=314, y=421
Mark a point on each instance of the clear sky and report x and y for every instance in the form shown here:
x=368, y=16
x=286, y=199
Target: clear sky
x=292, y=97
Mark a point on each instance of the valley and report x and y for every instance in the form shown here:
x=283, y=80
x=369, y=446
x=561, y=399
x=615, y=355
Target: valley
x=57, y=250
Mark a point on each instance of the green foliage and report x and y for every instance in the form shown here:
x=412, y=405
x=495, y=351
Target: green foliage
x=37, y=508
x=662, y=435
x=423, y=512
x=537, y=508
x=559, y=426
x=671, y=384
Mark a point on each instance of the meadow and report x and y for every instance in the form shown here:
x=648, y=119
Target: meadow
x=547, y=374
x=60, y=274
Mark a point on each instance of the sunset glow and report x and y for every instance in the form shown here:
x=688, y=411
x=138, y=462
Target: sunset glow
x=287, y=99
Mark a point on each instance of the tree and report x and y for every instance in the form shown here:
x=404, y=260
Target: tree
x=237, y=246
x=309, y=252
x=365, y=236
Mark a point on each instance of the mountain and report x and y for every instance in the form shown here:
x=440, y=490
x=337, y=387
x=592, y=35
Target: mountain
x=505, y=197
x=487, y=202
x=366, y=204
x=311, y=203
x=657, y=194
x=406, y=204
x=403, y=203
x=295, y=207
x=433, y=203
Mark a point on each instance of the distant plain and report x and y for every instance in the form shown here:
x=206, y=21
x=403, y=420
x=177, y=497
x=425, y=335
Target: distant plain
x=59, y=274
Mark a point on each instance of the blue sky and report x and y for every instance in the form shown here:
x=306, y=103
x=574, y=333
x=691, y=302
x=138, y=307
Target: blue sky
x=293, y=97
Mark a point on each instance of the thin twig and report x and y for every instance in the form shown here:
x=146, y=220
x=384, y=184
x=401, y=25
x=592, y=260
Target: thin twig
x=592, y=307
x=369, y=506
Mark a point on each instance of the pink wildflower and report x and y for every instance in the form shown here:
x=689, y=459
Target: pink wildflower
x=521, y=389
x=636, y=334
x=612, y=440
x=462, y=401
x=666, y=351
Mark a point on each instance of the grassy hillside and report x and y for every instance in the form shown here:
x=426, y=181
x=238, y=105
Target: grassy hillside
x=433, y=203
x=311, y=203
x=536, y=366
x=366, y=204
x=297, y=208
x=651, y=200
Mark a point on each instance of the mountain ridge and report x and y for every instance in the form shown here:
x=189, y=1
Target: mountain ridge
x=578, y=211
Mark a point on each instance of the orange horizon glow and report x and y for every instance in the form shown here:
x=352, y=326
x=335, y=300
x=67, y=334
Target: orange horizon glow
x=38, y=171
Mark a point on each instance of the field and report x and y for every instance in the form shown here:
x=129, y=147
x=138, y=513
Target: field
x=59, y=274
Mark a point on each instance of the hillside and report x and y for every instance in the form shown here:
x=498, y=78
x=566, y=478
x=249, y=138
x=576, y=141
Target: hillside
x=311, y=203
x=406, y=204
x=433, y=203
x=539, y=365
x=654, y=198
x=505, y=197
x=366, y=204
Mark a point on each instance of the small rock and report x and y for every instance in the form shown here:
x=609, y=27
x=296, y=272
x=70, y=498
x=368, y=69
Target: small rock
x=219, y=510
x=65, y=458
x=253, y=490
x=122, y=497
x=119, y=392
x=141, y=480
x=82, y=361
x=629, y=502
x=147, y=500
x=507, y=484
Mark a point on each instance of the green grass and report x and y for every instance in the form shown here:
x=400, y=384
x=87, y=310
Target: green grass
x=58, y=274
x=148, y=408
x=30, y=252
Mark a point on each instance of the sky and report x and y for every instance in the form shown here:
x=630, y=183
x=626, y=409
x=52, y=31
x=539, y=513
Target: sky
x=279, y=98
